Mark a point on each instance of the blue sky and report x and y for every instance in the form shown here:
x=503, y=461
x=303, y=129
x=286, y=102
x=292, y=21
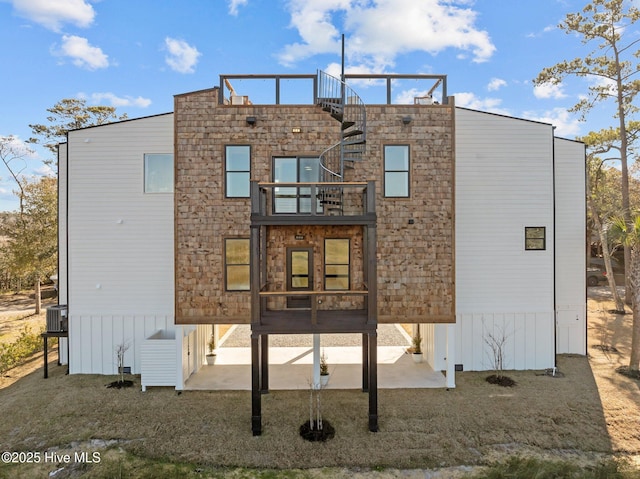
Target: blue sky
x=136, y=55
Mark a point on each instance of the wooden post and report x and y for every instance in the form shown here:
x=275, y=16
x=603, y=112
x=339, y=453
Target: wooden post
x=256, y=399
x=373, y=382
x=46, y=354
x=365, y=363
x=264, y=363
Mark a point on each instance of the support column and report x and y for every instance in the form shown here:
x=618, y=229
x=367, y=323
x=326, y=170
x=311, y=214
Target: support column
x=373, y=382
x=365, y=363
x=264, y=363
x=256, y=398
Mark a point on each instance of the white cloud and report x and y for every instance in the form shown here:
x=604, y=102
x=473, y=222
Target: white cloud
x=549, y=90
x=567, y=124
x=82, y=53
x=118, y=102
x=234, y=4
x=470, y=100
x=52, y=14
x=381, y=31
x=495, y=84
x=182, y=57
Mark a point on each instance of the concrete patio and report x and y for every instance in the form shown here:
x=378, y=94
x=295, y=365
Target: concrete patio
x=291, y=359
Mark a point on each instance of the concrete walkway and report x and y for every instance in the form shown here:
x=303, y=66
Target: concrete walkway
x=291, y=359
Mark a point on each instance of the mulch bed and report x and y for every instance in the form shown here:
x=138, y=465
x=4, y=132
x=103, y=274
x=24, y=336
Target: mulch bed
x=311, y=433
x=500, y=380
x=120, y=384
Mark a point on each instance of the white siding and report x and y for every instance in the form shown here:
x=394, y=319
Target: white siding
x=504, y=182
x=120, y=243
x=570, y=247
x=62, y=224
x=62, y=239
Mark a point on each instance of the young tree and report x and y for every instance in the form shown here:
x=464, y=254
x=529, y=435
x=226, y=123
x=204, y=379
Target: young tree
x=614, y=67
x=629, y=234
x=603, y=192
x=70, y=114
x=32, y=242
x=14, y=154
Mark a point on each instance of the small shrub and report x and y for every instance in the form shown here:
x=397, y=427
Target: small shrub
x=16, y=353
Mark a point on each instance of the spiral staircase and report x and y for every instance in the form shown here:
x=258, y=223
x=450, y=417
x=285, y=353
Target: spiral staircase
x=345, y=106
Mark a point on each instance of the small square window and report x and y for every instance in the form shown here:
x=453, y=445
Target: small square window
x=534, y=238
x=158, y=173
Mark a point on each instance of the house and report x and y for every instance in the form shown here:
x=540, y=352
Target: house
x=329, y=215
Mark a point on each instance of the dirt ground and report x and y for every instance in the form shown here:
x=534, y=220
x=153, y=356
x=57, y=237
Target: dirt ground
x=609, y=345
x=17, y=311
x=587, y=413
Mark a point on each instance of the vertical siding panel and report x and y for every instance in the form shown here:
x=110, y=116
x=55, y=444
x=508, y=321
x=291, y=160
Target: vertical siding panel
x=86, y=340
x=107, y=339
x=520, y=341
x=504, y=182
x=129, y=336
x=120, y=242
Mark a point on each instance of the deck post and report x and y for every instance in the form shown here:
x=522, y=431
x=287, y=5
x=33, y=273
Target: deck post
x=256, y=398
x=264, y=363
x=365, y=362
x=373, y=381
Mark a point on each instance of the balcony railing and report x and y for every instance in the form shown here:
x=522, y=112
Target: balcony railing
x=313, y=199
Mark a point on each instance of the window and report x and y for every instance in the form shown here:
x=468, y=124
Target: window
x=534, y=238
x=158, y=173
x=336, y=264
x=295, y=170
x=237, y=259
x=396, y=171
x=238, y=171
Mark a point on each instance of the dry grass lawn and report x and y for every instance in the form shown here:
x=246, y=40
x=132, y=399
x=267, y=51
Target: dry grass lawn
x=585, y=415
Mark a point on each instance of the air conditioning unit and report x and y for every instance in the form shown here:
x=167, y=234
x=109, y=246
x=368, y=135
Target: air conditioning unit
x=57, y=321
x=239, y=100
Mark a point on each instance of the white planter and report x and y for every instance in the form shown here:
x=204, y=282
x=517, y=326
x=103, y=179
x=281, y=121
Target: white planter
x=211, y=359
x=324, y=379
x=417, y=357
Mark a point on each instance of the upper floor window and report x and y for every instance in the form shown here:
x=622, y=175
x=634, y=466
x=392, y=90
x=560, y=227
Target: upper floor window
x=336, y=264
x=158, y=173
x=290, y=199
x=535, y=238
x=238, y=170
x=396, y=171
x=236, y=261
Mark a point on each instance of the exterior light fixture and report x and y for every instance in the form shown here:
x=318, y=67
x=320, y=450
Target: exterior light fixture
x=406, y=120
x=251, y=120
x=296, y=129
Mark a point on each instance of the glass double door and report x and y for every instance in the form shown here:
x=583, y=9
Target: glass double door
x=289, y=199
x=299, y=276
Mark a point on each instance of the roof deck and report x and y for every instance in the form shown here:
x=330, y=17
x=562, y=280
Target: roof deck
x=304, y=89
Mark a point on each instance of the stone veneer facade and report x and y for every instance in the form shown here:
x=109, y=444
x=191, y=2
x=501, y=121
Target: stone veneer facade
x=415, y=262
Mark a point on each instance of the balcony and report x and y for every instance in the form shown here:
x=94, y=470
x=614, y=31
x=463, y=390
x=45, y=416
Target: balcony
x=336, y=203
x=319, y=317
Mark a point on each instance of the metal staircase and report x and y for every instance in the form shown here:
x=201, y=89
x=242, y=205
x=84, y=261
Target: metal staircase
x=344, y=105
